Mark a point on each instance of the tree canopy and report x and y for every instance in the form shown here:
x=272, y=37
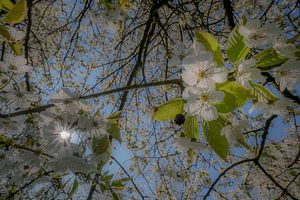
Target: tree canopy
x=149, y=99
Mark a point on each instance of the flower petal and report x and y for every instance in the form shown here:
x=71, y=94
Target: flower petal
x=208, y=112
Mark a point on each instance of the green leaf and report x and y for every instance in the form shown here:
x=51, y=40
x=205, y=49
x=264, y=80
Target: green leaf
x=114, y=131
x=17, y=48
x=124, y=4
x=262, y=94
x=242, y=141
x=114, y=117
x=7, y=4
x=5, y=33
x=169, y=110
x=117, y=185
x=237, y=49
x=123, y=180
x=269, y=58
x=213, y=137
x=103, y=187
x=234, y=93
x=107, y=178
x=191, y=127
x=228, y=104
x=74, y=188
x=100, y=145
x=211, y=44
x=115, y=196
x=17, y=14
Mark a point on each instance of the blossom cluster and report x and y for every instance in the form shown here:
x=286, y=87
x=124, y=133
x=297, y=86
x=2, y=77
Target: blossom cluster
x=200, y=75
x=63, y=137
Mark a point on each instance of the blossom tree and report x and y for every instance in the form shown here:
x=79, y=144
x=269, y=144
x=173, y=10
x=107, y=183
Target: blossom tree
x=149, y=99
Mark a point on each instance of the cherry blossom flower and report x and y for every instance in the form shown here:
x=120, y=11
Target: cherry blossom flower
x=16, y=64
x=281, y=107
x=183, y=144
x=257, y=35
x=287, y=79
x=96, y=126
x=248, y=72
x=284, y=48
x=64, y=95
x=72, y=163
x=201, y=101
x=180, y=51
x=202, y=73
x=16, y=35
x=234, y=132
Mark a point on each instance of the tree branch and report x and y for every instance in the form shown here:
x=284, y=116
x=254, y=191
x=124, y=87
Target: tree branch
x=255, y=160
x=127, y=88
x=229, y=13
x=133, y=183
x=143, y=44
x=26, y=45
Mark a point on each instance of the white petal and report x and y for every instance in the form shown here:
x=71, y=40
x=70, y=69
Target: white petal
x=219, y=75
x=188, y=60
x=206, y=84
x=244, y=31
x=20, y=60
x=189, y=77
x=208, y=112
x=216, y=97
x=24, y=68
x=193, y=107
x=191, y=92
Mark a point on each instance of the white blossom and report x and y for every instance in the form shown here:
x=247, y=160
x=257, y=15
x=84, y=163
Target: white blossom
x=201, y=101
x=281, y=107
x=64, y=95
x=71, y=163
x=183, y=144
x=248, y=72
x=202, y=73
x=287, y=79
x=16, y=34
x=16, y=64
x=234, y=132
x=257, y=35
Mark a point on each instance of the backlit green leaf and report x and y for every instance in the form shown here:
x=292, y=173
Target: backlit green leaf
x=235, y=94
x=74, y=188
x=228, y=104
x=261, y=93
x=213, y=137
x=17, y=48
x=118, y=185
x=5, y=33
x=169, y=110
x=237, y=49
x=7, y=4
x=191, y=127
x=114, y=131
x=211, y=44
x=114, y=117
x=269, y=58
x=100, y=145
x=17, y=14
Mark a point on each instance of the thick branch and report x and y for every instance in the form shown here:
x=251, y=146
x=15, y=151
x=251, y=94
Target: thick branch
x=255, y=160
x=26, y=45
x=11, y=195
x=11, y=143
x=143, y=44
x=229, y=13
x=131, y=87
